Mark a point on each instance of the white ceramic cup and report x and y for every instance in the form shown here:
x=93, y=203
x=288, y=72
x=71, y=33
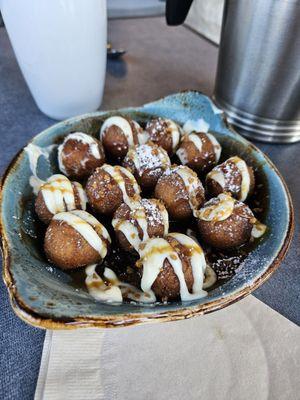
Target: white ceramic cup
x=60, y=46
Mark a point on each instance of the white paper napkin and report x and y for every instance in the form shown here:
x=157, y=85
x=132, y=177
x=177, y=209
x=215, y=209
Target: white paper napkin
x=246, y=351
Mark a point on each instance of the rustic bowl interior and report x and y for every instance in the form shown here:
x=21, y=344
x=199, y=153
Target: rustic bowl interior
x=47, y=296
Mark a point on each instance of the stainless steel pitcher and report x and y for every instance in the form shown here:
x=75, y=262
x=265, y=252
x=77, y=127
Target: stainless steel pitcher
x=258, y=77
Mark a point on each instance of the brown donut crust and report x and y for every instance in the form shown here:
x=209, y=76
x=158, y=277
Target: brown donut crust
x=74, y=152
x=172, y=191
x=149, y=177
x=42, y=211
x=166, y=286
x=213, y=188
x=233, y=186
x=146, y=180
x=232, y=232
x=66, y=248
x=123, y=213
x=103, y=192
x=115, y=142
x=161, y=137
x=203, y=161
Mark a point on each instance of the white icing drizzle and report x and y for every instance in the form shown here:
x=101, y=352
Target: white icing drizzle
x=153, y=261
x=127, y=290
x=210, y=277
x=197, y=261
x=216, y=146
x=35, y=183
x=60, y=161
x=82, y=195
x=192, y=184
x=217, y=209
x=153, y=253
x=258, y=229
x=141, y=218
x=80, y=137
x=139, y=214
x=129, y=230
x=90, y=219
x=131, y=178
x=202, y=126
x=143, y=137
x=121, y=123
x=218, y=176
x=193, y=137
x=116, y=290
x=243, y=168
x=34, y=152
x=98, y=289
x=175, y=131
x=198, y=125
x=86, y=139
x=182, y=155
x=165, y=217
x=58, y=194
x=88, y=227
x=197, y=141
x=116, y=173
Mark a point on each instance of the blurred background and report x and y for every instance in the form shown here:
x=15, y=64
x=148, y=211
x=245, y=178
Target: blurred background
x=204, y=16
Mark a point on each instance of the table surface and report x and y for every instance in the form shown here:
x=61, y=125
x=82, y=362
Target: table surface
x=160, y=60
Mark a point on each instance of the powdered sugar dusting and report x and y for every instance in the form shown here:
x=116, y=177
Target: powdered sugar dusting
x=154, y=215
x=191, y=182
x=231, y=181
x=159, y=128
x=146, y=214
x=149, y=158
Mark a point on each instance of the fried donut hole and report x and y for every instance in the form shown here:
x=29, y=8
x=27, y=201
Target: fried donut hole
x=199, y=151
x=118, y=134
x=140, y=221
x=165, y=133
x=147, y=162
x=59, y=194
x=172, y=267
x=232, y=176
x=109, y=186
x=181, y=191
x=225, y=223
x=79, y=155
x=75, y=239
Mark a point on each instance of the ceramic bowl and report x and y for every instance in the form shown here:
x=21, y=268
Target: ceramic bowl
x=44, y=296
